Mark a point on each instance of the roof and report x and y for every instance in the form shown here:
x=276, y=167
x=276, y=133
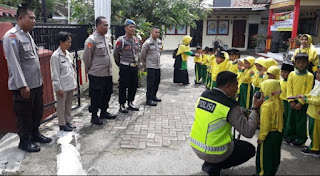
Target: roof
x=237, y=5
x=8, y=11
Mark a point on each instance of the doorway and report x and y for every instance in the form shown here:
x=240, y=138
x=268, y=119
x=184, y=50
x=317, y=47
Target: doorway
x=253, y=30
x=196, y=34
x=238, y=37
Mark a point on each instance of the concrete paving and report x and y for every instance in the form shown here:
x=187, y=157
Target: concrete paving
x=152, y=141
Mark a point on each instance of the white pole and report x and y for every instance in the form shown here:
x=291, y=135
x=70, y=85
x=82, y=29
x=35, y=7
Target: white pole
x=69, y=11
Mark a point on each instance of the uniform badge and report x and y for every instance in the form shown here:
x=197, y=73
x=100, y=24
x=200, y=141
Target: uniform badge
x=89, y=45
x=12, y=36
x=118, y=44
x=13, y=42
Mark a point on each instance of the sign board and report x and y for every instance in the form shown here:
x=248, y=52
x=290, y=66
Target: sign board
x=282, y=4
x=282, y=21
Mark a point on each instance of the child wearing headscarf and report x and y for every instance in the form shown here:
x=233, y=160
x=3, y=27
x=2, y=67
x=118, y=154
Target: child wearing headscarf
x=307, y=47
x=259, y=74
x=271, y=125
x=313, y=100
x=246, y=89
x=273, y=72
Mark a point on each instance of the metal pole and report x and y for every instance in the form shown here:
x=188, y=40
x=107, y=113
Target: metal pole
x=44, y=12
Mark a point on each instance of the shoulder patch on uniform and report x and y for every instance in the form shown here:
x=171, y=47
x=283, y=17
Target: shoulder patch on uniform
x=13, y=41
x=12, y=36
x=118, y=43
x=206, y=105
x=89, y=45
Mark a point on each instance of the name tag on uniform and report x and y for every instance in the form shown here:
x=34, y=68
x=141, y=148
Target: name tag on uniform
x=206, y=105
x=152, y=47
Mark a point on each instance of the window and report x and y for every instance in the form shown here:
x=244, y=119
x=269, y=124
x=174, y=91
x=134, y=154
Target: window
x=215, y=27
x=182, y=30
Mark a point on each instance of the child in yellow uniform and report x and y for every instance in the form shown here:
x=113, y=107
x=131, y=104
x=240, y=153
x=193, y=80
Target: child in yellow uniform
x=240, y=65
x=219, y=64
x=286, y=68
x=234, y=55
x=198, y=65
x=271, y=125
x=313, y=100
x=205, y=59
x=259, y=74
x=246, y=89
x=300, y=81
x=209, y=65
x=307, y=47
x=273, y=72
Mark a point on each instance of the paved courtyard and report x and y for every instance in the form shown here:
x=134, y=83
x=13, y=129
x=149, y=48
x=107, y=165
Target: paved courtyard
x=152, y=141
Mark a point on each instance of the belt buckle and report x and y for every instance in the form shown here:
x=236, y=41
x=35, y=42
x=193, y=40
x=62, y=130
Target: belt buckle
x=133, y=64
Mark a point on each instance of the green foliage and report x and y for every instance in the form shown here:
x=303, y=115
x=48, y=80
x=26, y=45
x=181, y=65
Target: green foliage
x=82, y=12
x=166, y=13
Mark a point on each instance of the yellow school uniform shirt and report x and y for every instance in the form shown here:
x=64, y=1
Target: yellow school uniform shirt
x=283, y=94
x=205, y=58
x=271, y=114
x=217, y=68
x=313, y=100
x=198, y=59
x=232, y=66
x=210, y=62
x=299, y=84
x=312, y=53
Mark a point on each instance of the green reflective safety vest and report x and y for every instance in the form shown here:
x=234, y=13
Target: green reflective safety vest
x=211, y=133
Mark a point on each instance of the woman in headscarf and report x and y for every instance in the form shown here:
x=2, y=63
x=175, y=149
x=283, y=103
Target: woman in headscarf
x=180, y=64
x=271, y=125
x=307, y=47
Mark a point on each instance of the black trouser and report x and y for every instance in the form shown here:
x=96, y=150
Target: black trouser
x=100, y=90
x=242, y=152
x=28, y=112
x=128, y=79
x=153, y=81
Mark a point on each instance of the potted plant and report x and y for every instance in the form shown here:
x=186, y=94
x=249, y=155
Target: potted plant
x=257, y=40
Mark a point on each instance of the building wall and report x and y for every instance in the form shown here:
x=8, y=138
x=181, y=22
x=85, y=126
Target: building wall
x=171, y=42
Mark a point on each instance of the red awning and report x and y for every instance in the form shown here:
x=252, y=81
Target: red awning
x=7, y=11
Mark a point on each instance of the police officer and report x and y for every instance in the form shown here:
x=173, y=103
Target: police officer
x=25, y=80
x=126, y=57
x=150, y=54
x=216, y=112
x=96, y=57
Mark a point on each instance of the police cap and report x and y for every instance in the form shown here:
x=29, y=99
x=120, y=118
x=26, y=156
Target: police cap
x=128, y=22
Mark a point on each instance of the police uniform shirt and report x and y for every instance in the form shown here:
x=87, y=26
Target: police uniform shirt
x=63, y=75
x=126, y=50
x=151, y=53
x=22, y=58
x=96, y=56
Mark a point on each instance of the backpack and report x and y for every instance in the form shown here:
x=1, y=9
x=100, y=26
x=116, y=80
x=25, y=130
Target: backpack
x=174, y=54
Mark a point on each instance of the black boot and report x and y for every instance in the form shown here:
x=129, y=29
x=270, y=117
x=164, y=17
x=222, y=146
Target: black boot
x=107, y=115
x=28, y=146
x=132, y=107
x=95, y=120
x=211, y=169
x=151, y=103
x=123, y=109
x=65, y=128
x=157, y=99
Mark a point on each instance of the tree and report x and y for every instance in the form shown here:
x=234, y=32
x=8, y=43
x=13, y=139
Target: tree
x=82, y=12
x=166, y=13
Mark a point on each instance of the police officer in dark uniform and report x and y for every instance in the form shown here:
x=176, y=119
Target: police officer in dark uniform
x=25, y=80
x=98, y=65
x=126, y=57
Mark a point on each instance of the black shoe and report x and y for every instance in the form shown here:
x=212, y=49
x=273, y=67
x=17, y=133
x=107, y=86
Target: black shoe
x=123, y=109
x=70, y=125
x=296, y=144
x=311, y=153
x=107, y=115
x=28, y=146
x=65, y=128
x=132, y=107
x=287, y=141
x=210, y=169
x=96, y=121
x=157, y=99
x=151, y=103
x=40, y=138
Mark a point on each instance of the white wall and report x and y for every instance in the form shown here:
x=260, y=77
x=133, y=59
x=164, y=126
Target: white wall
x=171, y=42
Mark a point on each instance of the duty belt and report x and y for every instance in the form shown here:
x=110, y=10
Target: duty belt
x=129, y=64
